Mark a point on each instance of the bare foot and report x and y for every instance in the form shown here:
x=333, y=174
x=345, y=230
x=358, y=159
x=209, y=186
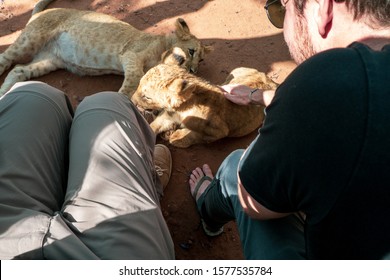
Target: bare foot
x=195, y=177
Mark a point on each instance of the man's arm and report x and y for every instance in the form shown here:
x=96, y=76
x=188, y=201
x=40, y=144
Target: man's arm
x=253, y=208
x=244, y=95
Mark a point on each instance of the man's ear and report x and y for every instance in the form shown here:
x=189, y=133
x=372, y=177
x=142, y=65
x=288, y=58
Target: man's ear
x=324, y=16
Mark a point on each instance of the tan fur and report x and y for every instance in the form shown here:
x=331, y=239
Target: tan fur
x=90, y=43
x=250, y=77
x=195, y=111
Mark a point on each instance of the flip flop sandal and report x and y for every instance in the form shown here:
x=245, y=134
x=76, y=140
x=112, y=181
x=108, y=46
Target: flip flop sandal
x=197, y=187
x=209, y=231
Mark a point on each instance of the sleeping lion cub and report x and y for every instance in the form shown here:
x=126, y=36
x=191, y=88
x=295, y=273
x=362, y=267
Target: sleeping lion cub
x=90, y=43
x=193, y=110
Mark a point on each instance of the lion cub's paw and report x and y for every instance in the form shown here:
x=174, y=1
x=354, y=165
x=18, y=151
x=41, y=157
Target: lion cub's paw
x=183, y=138
x=167, y=134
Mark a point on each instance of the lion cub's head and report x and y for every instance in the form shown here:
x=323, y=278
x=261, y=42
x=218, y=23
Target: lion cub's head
x=163, y=87
x=193, y=51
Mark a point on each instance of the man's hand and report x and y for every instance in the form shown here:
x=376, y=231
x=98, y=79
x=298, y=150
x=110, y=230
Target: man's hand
x=241, y=95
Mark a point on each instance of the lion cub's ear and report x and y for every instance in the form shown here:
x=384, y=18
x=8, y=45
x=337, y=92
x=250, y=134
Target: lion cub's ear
x=182, y=88
x=182, y=30
x=174, y=56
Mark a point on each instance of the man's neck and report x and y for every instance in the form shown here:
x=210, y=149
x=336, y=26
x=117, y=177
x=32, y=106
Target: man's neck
x=375, y=43
x=347, y=30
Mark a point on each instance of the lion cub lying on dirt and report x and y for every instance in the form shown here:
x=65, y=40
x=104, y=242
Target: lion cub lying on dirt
x=90, y=43
x=195, y=111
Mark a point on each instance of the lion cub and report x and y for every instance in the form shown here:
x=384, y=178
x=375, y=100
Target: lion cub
x=90, y=43
x=193, y=110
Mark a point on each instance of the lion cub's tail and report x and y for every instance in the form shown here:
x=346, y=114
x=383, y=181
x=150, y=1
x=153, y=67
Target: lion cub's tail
x=40, y=6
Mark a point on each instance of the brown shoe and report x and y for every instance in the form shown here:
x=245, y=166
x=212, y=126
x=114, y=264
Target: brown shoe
x=163, y=163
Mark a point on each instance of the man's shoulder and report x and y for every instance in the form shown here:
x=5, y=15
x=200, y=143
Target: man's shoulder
x=339, y=62
x=331, y=63
x=341, y=69
x=335, y=70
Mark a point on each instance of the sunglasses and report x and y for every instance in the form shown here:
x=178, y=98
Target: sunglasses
x=276, y=10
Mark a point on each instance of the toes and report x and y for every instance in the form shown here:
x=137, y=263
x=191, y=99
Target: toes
x=196, y=176
x=197, y=173
x=207, y=170
x=193, y=180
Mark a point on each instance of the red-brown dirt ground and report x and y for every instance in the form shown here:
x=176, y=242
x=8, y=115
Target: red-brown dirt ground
x=241, y=35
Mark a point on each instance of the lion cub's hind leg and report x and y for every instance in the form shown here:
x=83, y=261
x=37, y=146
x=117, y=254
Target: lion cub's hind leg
x=184, y=138
x=21, y=49
x=164, y=122
x=42, y=64
x=27, y=47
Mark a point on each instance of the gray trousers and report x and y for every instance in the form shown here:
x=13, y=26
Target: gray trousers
x=77, y=187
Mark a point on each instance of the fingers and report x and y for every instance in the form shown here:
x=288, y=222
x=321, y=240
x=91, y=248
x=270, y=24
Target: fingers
x=228, y=88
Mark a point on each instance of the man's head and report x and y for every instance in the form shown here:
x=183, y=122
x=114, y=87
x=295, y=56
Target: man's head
x=376, y=11
x=311, y=26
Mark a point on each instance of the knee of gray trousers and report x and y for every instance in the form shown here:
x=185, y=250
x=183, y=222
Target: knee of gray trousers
x=109, y=100
x=42, y=89
x=112, y=181
x=120, y=104
x=35, y=123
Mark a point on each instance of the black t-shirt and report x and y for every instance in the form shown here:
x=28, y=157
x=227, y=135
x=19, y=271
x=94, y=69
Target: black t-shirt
x=324, y=149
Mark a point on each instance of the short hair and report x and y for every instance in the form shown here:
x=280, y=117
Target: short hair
x=377, y=11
